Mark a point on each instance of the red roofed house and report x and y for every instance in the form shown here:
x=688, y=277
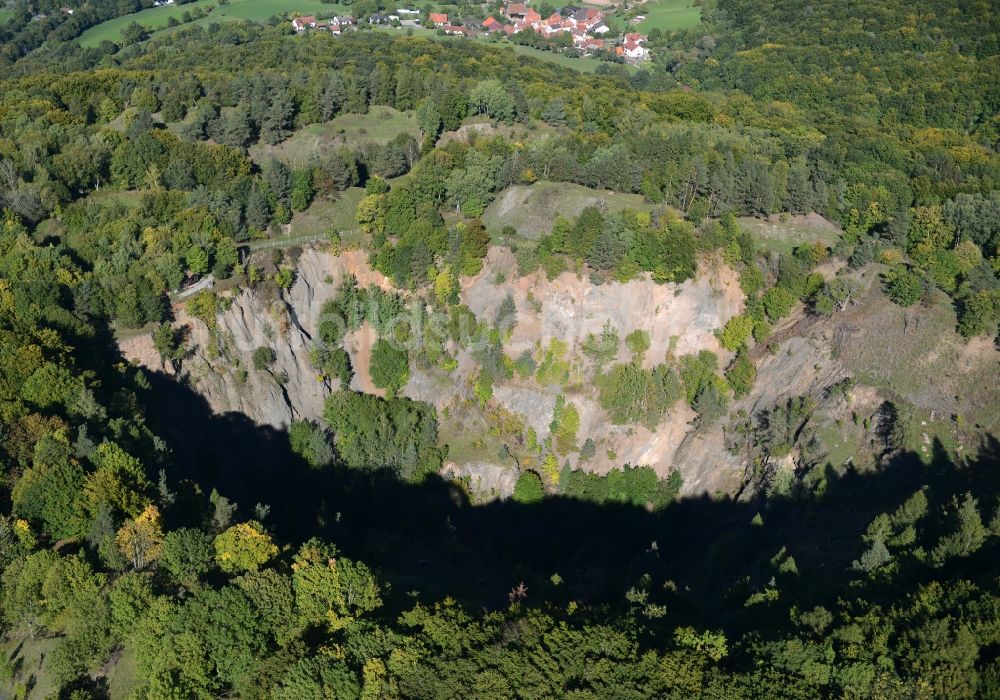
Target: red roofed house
x=508, y=29
x=454, y=30
x=531, y=17
x=633, y=49
x=491, y=24
x=636, y=37
x=516, y=10
x=438, y=19
x=300, y=24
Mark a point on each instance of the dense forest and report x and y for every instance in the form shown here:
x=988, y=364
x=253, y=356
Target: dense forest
x=202, y=556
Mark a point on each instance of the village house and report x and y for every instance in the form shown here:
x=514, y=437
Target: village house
x=516, y=11
x=583, y=23
x=438, y=19
x=300, y=24
x=634, y=50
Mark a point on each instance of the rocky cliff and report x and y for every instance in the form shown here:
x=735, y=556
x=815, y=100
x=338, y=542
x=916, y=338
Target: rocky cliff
x=679, y=319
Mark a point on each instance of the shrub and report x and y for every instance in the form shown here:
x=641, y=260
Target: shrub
x=777, y=303
x=310, y=441
x=390, y=366
x=697, y=371
x=631, y=394
x=284, y=277
x=979, y=313
x=638, y=342
x=263, y=357
x=741, y=374
x=736, y=332
x=903, y=286
x=529, y=488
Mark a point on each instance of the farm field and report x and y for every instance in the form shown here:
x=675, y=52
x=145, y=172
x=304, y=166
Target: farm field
x=156, y=18
x=531, y=210
x=153, y=18
x=669, y=15
x=584, y=65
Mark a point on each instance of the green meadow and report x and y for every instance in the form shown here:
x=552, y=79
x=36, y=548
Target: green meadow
x=669, y=15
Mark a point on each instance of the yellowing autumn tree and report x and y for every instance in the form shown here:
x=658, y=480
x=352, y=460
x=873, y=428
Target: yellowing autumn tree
x=244, y=547
x=443, y=286
x=141, y=539
x=565, y=424
x=550, y=469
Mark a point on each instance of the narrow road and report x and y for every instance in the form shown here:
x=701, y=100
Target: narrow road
x=206, y=282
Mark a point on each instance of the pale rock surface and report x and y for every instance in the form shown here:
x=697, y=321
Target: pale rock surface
x=680, y=319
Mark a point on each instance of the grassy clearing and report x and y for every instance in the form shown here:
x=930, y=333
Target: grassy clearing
x=917, y=355
x=5, y=14
x=31, y=678
x=469, y=439
x=123, y=677
x=324, y=216
x=777, y=236
x=584, y=65
x=49, y=228
x=531, y=210
x=842, y=443
x=130, y=198
x=379, y=125
x=483, y=126
x=669, y=15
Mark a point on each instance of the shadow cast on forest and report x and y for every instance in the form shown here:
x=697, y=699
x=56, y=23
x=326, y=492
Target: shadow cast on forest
x=427, y=541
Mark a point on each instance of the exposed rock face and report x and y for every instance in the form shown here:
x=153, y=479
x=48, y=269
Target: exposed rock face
x=140, y=349
x=220, y=366
x=570, y=307
x=287, y=389
x=680, y=319
x=485, y=481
